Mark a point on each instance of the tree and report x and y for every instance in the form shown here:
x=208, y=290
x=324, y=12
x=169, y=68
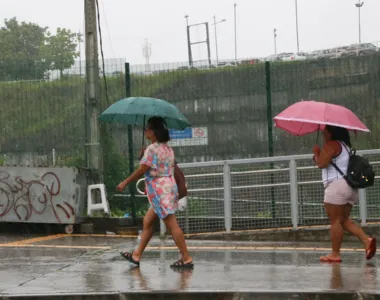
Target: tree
x=22, y=51
x=62, y=49
x=28, y=51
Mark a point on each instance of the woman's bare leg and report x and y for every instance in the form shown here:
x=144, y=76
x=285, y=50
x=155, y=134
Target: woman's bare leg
x=177, y=234
x=146, y=235
x=353, y=228
x=336, y=217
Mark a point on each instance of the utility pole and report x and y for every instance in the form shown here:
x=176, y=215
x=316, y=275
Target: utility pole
x=216, y=38
x=93, y=148
x=216, y=41
x=298, y=39
x=207, y=41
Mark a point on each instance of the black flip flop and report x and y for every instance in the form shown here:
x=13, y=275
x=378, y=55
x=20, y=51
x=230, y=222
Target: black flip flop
x=180, y=264
x=128, y=256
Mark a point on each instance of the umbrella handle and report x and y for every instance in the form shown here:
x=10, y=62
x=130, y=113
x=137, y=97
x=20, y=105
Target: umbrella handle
x=142, y=141
x=316, y=142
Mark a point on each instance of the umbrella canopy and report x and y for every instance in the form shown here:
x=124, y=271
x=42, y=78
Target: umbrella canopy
x=137, y=110
x=309, y=116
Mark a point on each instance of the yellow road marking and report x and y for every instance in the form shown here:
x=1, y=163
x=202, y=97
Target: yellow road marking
x=106, y=235
x=58, y=236
x=253, y=248
x=53, y=246
x=37, y=239
x=201, y=248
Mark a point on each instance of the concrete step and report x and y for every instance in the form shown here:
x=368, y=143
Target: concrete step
x=201, y=295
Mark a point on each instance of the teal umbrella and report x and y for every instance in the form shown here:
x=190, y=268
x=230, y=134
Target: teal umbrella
x=137, y=110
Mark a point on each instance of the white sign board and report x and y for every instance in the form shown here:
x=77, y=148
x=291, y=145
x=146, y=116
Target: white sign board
x=189, y=137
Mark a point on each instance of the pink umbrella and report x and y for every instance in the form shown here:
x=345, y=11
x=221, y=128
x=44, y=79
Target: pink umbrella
x=309, y=116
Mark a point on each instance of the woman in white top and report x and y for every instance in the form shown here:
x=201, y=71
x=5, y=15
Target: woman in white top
x=339, y=196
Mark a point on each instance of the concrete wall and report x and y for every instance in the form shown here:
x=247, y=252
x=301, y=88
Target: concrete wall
x=41, y=195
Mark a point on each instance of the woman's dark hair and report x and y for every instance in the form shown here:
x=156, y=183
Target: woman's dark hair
x=339, y=134
x=160, y=129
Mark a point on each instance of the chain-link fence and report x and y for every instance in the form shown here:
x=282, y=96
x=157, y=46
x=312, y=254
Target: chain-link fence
x=234, y=105
x=42, y=120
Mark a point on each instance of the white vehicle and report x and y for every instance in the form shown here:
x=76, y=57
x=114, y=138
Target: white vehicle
x=224, y=64
x=273, y=58
x=316, y=54
x=294, y=56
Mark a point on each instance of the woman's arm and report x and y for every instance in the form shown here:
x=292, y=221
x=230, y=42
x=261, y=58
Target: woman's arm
x=323, y=158
x=142, y=152
x=145, y=163
x=135, y=175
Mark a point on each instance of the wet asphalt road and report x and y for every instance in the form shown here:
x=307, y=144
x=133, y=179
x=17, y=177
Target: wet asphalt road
x=92, y=264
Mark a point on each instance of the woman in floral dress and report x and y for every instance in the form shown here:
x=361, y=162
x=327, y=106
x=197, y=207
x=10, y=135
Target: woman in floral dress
x=157, y=165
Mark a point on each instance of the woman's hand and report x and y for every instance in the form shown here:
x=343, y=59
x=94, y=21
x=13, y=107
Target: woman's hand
x=121, y=186
x=316, y=149
x=135, y=176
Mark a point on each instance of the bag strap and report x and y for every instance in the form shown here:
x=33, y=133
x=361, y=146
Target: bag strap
x=335, y=166
x=351, y=151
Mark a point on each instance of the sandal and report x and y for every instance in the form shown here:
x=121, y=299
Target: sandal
x=180, y=264
x=328, y=259
x=371, y=250
x=128, y=256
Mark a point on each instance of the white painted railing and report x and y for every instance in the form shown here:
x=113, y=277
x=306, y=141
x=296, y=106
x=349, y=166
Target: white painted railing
x=263, y=193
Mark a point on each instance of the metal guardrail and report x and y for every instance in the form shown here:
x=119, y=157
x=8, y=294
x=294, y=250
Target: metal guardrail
x=263, y=193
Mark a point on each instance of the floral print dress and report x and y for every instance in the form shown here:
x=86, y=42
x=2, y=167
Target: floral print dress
x=160, y=185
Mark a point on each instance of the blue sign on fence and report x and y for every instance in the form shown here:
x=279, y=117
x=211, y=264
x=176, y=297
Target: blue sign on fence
x=181, y=134
x=189, y=137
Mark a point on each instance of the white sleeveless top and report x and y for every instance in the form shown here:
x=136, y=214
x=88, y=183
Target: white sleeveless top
x=330, y=174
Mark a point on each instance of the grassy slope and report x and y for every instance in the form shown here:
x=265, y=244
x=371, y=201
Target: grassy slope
x=36, y=116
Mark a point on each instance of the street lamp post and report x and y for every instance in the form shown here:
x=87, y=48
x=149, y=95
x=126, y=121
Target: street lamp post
x=275, y=40
x=298, y=39
x=188, y=41
x=359, y=6
x=216, y=37
x=235, y=32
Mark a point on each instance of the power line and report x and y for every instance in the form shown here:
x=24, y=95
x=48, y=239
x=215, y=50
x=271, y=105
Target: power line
x=101, y=51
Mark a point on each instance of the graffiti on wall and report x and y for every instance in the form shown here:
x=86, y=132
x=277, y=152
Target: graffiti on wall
x=27, y=198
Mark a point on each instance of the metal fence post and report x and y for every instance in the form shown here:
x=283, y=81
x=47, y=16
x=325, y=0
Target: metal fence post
x=293, y=192
x=227, y=196
x=363, y=206
x=187, y=220
x=132, y=187
x=268, y=90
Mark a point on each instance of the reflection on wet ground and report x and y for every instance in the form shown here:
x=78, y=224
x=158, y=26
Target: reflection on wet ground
x=43, y=269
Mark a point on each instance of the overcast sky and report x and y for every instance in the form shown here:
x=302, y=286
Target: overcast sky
x=322, y=24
